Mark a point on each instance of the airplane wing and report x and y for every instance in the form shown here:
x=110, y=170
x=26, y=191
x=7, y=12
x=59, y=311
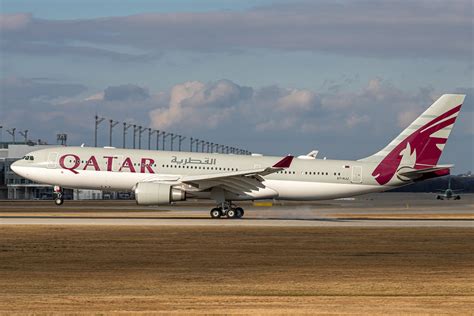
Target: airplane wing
x=237, y=182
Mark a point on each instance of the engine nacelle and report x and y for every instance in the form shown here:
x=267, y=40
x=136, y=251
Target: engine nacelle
x=147, y=193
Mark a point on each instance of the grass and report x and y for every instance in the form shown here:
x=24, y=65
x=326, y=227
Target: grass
x=236, y=270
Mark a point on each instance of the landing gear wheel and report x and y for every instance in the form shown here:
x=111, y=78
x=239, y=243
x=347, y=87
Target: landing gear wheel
x=239, y=212
x=231, y=213
x=58, y=195
x=216, y=213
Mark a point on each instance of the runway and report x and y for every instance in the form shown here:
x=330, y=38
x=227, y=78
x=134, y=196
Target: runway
x=378, y=210
x=378, y=254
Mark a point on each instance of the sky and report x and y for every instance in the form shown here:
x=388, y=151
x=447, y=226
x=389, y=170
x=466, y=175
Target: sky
x=273, y=77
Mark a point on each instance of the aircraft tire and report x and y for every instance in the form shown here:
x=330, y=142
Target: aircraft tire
x=231, y=213
x=58, y=201
x=239, y=212
x=216, y=213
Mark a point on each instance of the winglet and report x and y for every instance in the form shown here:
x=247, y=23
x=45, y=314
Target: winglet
x=284, y=163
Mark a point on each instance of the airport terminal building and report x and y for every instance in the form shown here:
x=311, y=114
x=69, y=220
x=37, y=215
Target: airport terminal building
x=14, y=187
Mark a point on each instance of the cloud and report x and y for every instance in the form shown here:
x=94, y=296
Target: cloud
x=344, y=123
x=419, y=28
x=215, y=105
x=19, y=91
x=128, y=92
x=46, y=107
x=14, y=22
x=194, y=102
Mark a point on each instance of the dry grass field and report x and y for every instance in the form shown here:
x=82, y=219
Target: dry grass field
x=75, y=269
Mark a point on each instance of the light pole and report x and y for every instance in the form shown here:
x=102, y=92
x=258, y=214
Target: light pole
x=126, y=126
x=140, y=132
x=191, y=142
x=150, y=133
x=180, y=140
x=12, y=132
x=98, y=120
x=164, y=134
x=157, y=138
x=197, y=144
x=25, y=135
x=134, y=135
x=173, y=137
x=111, y=126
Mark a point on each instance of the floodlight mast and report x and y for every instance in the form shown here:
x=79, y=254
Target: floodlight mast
x=111, y=126
x=150, y=134
x=180, y=141
x=173, y=137
x=25, y=135
x=197, y=144
x=165, y=135
x=157, y=138
x=126, y=126
x=98, y=120
x=134, y=135
x=11, y=131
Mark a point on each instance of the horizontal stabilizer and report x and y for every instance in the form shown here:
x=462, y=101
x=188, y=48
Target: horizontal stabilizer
x=439, y=170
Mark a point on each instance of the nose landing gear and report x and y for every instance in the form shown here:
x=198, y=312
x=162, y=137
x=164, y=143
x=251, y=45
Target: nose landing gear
x=228, y=210
x=58, y=195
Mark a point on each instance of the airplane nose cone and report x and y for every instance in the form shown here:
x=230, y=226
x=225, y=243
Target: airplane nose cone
x=14, y=167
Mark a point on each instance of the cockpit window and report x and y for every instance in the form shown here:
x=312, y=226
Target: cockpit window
x=29, y=158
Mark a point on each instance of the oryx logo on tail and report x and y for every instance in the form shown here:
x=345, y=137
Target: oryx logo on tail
x=421, y=144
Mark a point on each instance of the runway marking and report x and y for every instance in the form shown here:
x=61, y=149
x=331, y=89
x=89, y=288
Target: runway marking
x=247, y=222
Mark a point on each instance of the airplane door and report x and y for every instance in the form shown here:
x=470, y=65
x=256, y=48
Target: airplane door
x=52, y=160
x=356, y=174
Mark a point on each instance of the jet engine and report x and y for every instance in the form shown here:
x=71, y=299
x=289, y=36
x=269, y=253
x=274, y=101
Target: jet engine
x=147, y=193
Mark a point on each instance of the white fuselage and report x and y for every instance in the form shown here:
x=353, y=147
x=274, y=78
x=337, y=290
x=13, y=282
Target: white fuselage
x=122, y=169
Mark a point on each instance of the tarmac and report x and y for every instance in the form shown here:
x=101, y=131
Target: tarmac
x=374, y=210
x=379, y=254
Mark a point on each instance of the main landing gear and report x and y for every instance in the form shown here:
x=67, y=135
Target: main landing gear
x=58, y=195
x=227, y=209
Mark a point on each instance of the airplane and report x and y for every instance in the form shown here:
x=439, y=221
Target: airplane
x=163, y=177
x=449, y=193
